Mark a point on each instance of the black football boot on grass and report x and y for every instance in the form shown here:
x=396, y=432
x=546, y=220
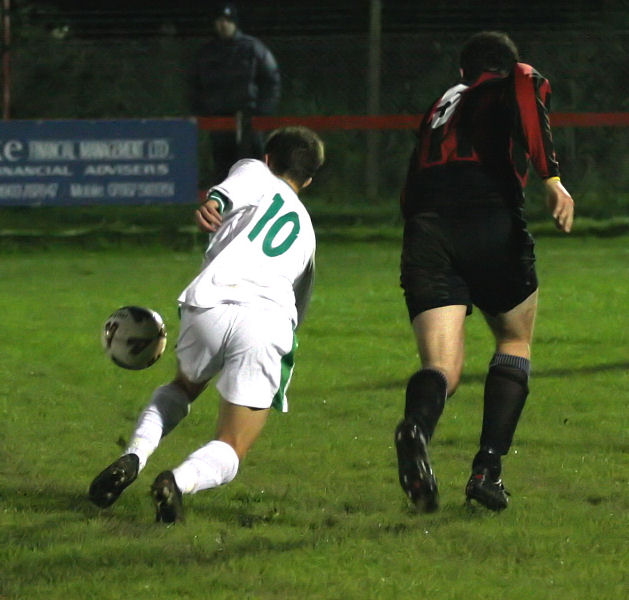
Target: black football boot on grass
x=486, y=491
x=167, y=498
x=110, y=483
x=416, y=476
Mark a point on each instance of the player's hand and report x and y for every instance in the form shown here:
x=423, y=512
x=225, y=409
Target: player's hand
x=560, y=204
x=207, y=216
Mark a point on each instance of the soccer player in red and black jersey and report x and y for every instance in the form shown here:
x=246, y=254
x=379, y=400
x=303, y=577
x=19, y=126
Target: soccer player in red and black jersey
x=466, y=243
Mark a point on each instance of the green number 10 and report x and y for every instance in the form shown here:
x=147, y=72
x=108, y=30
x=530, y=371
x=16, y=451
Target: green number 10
x=267, y=244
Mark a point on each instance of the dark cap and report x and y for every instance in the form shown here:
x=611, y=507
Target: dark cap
x=227, y=10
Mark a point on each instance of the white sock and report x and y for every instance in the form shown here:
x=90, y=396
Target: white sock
x=167, y=407
x=208, y=467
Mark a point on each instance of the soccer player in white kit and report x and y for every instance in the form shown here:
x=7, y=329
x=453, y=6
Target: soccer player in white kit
x=238, y=322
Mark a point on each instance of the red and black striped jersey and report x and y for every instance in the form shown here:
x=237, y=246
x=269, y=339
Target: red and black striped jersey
x=476, y=141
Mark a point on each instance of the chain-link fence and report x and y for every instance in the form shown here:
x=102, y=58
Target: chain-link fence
x=56, y=75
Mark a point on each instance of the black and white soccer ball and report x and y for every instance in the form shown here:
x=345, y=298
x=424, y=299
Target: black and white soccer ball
x=134, y=337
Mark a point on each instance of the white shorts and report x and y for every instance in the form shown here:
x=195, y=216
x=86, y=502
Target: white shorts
x=252, y=348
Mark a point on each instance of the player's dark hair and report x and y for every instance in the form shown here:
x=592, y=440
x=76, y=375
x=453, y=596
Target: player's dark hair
x=295, y=152
x=487, y=51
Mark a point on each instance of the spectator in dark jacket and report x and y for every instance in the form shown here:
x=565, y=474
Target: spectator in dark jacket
x=234, y=75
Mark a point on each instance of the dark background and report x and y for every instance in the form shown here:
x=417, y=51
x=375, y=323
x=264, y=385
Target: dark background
x=145, y=17
x=117, y=59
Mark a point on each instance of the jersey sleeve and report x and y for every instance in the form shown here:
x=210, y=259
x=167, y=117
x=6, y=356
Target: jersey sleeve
x=243, y=186
x=532, y=98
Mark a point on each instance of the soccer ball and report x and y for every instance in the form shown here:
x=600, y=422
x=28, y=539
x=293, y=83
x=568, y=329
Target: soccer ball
x=134, y=337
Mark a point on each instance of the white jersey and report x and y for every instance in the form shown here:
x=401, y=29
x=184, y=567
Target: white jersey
x=264, y=249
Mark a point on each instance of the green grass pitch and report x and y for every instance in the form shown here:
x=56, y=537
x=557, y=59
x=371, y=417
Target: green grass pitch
x=316, y=511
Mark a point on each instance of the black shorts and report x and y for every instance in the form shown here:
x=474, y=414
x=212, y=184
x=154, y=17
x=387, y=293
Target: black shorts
x=484, y=258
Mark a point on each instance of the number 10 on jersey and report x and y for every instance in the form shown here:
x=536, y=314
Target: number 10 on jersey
x=271, y=246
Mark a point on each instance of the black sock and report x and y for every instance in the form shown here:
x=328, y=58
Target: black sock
x=506, y=389
x=425, y=398
x=487, y=460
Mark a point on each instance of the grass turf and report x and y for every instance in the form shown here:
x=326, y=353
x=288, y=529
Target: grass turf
x=316, y=511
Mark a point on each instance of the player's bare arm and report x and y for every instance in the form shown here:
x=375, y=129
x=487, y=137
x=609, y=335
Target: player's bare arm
x=208, y=217
x=560, y=204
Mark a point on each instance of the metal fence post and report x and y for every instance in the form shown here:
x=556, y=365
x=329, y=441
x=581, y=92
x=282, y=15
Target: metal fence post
x=373, y=98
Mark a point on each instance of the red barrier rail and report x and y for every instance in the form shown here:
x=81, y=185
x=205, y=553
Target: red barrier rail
x=374, y=122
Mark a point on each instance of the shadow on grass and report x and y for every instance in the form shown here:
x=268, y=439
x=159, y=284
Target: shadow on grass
x=46, y=499
x=468, y=378
x=560, y=372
